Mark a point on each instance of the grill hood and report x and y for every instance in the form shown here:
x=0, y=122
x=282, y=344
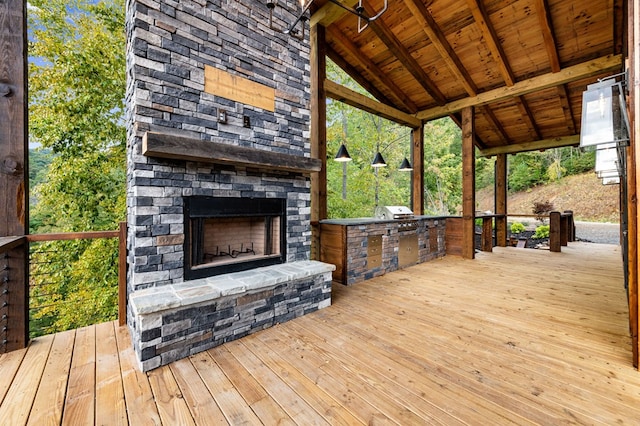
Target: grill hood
x=393, y=212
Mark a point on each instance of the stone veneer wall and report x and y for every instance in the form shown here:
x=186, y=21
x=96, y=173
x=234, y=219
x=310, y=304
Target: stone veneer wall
x=169, y=44
x=431, y=245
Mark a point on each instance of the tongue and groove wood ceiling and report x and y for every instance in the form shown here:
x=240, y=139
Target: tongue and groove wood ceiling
x=522, y=63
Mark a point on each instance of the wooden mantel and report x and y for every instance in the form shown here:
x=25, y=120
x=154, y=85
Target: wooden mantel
x=183, y=148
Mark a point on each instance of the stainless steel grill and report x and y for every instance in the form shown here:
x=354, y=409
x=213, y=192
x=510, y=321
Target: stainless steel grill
x=393, y=212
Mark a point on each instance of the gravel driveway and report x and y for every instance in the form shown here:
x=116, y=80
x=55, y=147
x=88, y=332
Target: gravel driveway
x=596, y=232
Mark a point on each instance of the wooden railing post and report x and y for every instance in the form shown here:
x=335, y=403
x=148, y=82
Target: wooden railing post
x=564, y=229
x=486, y=243
x=554, y=232
x=571, y=232
x=122, y=274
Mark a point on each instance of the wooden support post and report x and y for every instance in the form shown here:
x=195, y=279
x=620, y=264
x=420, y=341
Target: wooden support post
x=571, y=231
x=633, y=177
x=14, y=171
x=501, y=199
x=468, y=183
x=564, y=229
x=487, y=234
x=122, y=274
x=417, y=175
x=554, y=232
x=318, y=134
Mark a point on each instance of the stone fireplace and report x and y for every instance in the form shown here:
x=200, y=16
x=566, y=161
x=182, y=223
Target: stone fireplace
x=218, y=182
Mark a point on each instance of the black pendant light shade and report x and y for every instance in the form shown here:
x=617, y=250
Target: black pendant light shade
x=378, y=161
x=343, y=154
x=405, y=166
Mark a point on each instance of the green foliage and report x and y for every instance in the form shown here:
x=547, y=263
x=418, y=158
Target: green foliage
x=529, y=169
x=526, y=170
x=517, y=227
x=576, y=161
x=77, y=85
x=352, y=187
x=443, y=167
x=542, y=231
x=77, y=89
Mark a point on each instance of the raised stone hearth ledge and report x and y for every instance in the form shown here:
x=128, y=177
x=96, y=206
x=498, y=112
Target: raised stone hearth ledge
x=174, y=321
x=175, y=147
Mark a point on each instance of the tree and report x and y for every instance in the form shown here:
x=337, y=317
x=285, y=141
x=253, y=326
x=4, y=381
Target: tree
x=76, y=87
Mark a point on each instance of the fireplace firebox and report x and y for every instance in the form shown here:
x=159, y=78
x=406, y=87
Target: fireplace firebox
x=225, y=235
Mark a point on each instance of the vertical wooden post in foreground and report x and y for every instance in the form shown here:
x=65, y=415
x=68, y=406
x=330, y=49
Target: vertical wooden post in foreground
x=555, y=238
x=633, y=37
x=468, y=183
x=122, y=273
x=501, y=199
x=318, y=134
x=417, y=161
x=13, y=168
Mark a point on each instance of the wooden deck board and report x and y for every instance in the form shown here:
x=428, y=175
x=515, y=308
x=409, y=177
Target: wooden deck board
x=49, y=401
x=513, y=337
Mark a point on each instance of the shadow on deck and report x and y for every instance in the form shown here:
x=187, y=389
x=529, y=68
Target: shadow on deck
x=514, y=337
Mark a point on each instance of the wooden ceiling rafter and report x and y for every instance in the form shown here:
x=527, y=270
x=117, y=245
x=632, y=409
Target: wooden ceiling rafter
x=546, y=28
x=576, y=72
x=490, y=37
x=356, y=76
x=376, y=75
x=439, y=41
x=451, y=59
x=497, y=125
x=483, y=22
x=404, y=56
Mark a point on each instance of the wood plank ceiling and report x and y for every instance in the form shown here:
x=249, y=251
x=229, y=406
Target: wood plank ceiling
x=523, y=63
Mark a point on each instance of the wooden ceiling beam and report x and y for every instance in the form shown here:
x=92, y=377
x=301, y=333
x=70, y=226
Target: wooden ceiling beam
x=404, y=56
x=358, y=78
x=440, y=42
x=326, y=14
x=531, y=146
x=344, y=94
x=576, y=72
x=377, y=77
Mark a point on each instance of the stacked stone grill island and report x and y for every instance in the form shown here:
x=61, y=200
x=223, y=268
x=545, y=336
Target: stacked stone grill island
x=217, y=141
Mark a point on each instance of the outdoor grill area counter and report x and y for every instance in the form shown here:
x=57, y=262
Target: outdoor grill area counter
x=363, y=248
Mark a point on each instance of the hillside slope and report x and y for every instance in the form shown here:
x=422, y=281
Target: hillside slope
x=584, y=194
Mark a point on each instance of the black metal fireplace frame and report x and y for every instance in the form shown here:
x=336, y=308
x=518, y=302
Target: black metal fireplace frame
x=226, y=207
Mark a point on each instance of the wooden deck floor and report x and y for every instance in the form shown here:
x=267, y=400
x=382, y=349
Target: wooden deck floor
x=514, y=337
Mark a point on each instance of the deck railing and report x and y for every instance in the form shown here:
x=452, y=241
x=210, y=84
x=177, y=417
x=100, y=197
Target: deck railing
x=34, y=306
x=562, y=229
x=13, y=293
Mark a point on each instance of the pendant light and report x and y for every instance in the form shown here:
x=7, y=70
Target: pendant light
x=405, y=166
x=378, y=161
x=342, y=155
